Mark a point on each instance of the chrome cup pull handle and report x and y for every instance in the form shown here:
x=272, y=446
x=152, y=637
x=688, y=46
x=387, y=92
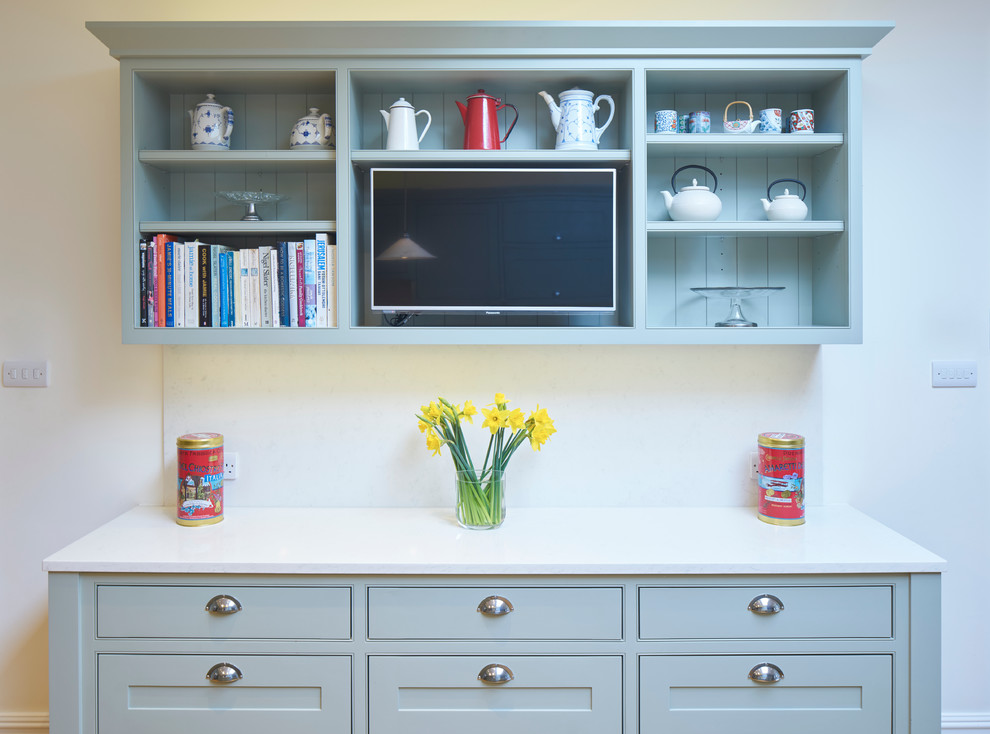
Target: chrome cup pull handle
x=495, y=606
x=495, y=673
x=766, y=604
x=223, y=673
x=223, y=604
x=766, y=673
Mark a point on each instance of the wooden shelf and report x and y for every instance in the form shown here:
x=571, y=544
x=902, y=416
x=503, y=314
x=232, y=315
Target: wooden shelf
x=744, y=229
x=755, y=145
x=483, y=158
x=237, y=161
x=266, y=226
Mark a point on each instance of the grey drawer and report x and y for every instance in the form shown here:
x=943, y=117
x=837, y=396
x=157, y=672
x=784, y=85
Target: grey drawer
x=164, y=694
x=538, y=613
x=424, y=694
x=721, y=612
x=267, y=612
x=819, y=694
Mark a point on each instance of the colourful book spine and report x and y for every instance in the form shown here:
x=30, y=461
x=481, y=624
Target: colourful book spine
x=205, y=295
x=169, y=284
x=321, y=279
x=245, y=319
x=153, y=281
x=309, y=250
x=222, y=291
x=178, y=292
x=332, y=284
x=143, y=283
x=293, y=286
x=265, y=269
x=282, y=280
x=215, y=282
x=191, y=296
x=160, y=280
x=231, y=290
x=300, y=284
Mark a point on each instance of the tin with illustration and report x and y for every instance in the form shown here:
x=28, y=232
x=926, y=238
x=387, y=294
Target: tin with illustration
x=199, y=485
x=781, y=478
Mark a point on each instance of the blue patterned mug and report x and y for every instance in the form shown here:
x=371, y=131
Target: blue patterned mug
x=699, y=122
x=771, y=120
x=666, y=121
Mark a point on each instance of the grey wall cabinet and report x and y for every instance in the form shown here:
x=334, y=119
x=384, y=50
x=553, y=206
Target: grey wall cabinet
x=270, y=74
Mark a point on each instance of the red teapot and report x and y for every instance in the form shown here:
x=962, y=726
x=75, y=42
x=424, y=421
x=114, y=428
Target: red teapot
x=481, y=121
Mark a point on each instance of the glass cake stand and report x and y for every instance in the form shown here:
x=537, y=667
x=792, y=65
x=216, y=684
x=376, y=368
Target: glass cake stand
x=735, y=296
x=250, y=199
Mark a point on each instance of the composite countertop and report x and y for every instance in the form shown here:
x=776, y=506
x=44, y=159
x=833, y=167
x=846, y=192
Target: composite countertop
x=640, y=540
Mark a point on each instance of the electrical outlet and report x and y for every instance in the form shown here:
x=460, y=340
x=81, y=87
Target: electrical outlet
x=953, y=374
x=754, y=465
x=26, y=374
x=230, y=465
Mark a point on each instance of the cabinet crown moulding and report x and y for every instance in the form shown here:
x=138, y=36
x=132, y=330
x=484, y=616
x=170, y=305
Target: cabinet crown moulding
x=490, y=38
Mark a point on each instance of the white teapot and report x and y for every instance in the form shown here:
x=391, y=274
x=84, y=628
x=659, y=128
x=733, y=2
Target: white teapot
x=312, y=131
x=574, y=119
x=212, y=124
x=693, y=203
x=786, y=207
x=400, y=120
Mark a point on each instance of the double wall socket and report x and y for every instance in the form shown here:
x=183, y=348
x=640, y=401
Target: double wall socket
x=26, y=374
x=954, y=374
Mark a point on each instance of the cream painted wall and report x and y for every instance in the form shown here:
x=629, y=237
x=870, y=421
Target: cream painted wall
x=100, y=439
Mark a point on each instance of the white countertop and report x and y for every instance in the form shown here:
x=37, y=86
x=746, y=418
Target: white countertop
x=641, y=540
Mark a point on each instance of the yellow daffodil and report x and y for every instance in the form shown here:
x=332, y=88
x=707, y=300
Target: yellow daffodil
x=515, y=420
x=433, y=442
x=479, y=491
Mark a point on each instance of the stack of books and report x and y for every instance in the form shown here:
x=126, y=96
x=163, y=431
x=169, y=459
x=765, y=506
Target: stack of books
x=194, y=284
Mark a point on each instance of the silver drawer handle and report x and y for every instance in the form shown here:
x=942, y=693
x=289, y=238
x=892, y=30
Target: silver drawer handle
x=495, y=673
x=223, y=604
x=223, y=673
x=495, y=606
x=766, y=673
x=766, y=604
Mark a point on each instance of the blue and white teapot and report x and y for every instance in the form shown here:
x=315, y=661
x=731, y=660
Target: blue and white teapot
x=212, y=124
x=574, y=119
x=312, y=131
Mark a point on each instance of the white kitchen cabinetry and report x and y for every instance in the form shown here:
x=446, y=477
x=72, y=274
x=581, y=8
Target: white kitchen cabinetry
x=376, y=621
x=271, y=73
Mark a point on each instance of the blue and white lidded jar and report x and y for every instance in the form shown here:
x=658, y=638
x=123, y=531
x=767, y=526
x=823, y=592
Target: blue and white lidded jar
x=312, y=131
x=212, y=124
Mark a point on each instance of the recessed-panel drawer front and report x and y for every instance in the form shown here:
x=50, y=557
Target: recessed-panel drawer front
x=746, y=694
x=513, y=693
x=758, y=612
x=224, y=612
x=165, y=694
x=495, y=613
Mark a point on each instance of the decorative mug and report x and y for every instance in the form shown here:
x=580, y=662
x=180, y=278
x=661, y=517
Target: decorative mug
x=770, y=120
x=666, y=121
x=802, y=121
x=682, y=124
x=699, y=122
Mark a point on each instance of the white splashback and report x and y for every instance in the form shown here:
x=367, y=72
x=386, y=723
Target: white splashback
x=336, y=426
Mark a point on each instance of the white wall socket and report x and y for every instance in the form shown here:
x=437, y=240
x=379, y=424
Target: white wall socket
x=33, y=373
x=230, y=465
x=953, y=374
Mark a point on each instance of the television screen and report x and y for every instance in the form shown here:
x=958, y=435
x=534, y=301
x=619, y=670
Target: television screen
x=492, y=240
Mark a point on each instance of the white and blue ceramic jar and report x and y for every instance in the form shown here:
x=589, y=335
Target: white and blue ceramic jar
x=312, y=131
x=212, y=124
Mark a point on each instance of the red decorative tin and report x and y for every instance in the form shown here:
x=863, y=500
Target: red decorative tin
x=199, y=497
x=781, y=478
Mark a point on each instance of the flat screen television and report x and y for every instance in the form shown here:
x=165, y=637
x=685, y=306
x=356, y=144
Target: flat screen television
x=493, y=240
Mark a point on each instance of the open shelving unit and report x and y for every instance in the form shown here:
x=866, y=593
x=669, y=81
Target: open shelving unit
x=271, y=73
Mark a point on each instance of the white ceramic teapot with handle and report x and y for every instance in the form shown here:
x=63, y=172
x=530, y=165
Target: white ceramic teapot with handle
x=693, y=203
x=739, y=126
x=574, y=119
x=312, y=131
x=212, y=124
x=786, y=207
x=400, y=119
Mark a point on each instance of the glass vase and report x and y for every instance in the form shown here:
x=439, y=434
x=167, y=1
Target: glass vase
x=480, y=500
